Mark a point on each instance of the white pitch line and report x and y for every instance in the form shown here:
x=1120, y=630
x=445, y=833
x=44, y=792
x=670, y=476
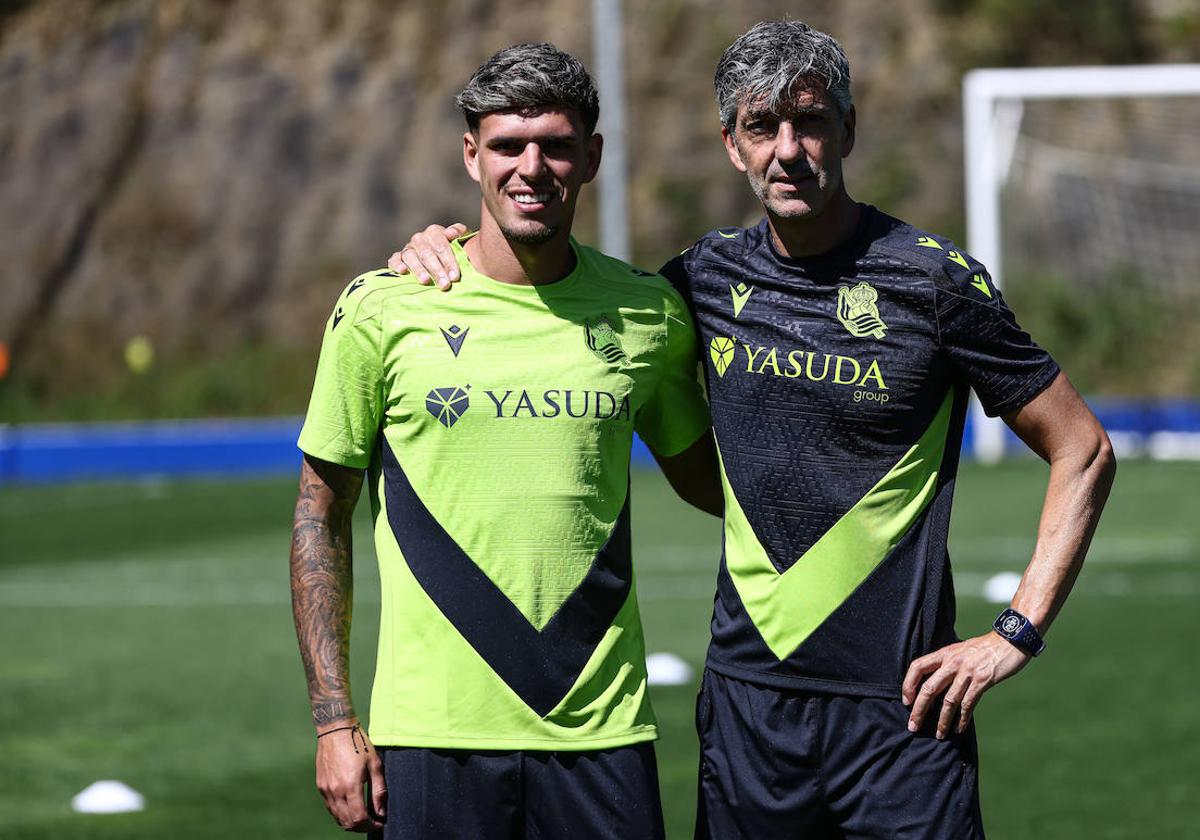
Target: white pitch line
x=963, y=552
x=65, y=595
x=237, y=573
x=1115, y=550
x=50, y=595
x=42, y=502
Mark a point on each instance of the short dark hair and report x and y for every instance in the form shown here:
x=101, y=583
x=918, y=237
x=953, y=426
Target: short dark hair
x=766, y=62
x=528, y=76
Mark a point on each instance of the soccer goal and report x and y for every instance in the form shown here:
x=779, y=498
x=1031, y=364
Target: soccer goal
x=1083, y=199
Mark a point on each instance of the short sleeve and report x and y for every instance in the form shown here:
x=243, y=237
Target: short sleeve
x=984, y=343
x=676, y=414
x=346, y=408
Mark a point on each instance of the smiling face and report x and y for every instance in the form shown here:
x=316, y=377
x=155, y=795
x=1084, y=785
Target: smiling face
x=530, y=166
x=793, y=157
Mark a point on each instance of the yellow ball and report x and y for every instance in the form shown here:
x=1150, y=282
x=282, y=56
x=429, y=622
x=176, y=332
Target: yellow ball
x=139, y=354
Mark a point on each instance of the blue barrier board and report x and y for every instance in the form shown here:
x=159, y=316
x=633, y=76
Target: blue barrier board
x=69, y=452
x=74, y=452
x=83, y=451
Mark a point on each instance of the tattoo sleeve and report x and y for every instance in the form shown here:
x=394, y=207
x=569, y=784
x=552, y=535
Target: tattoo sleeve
x=323, y=584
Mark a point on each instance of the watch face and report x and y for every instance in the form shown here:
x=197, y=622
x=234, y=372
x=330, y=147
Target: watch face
x=1011, y=625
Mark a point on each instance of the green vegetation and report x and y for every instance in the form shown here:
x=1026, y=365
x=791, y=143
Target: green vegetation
x=246, y=380
x=1119, y=336
x=1018, y=33
x=150, y=640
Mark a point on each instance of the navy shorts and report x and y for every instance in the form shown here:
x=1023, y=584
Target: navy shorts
x=778, y=763
x=505, y=795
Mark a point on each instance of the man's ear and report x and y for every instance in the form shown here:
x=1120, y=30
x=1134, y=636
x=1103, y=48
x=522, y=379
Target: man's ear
x=471, y=155
x=849, y=126
x=595, y=148
x=735, y=156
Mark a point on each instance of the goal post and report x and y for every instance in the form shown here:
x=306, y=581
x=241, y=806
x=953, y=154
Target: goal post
x=993, y=105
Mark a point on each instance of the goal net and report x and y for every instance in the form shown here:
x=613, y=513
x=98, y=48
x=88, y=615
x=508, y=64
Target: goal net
x=1087, y=209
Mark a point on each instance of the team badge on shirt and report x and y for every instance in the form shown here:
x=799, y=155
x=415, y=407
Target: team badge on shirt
x=858, y=311
x=602, y=339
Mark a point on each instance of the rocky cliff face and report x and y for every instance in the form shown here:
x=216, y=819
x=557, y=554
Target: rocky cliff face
x=210, y=173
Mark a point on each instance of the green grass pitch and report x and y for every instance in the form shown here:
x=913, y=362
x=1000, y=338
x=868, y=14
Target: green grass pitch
x=147, y=637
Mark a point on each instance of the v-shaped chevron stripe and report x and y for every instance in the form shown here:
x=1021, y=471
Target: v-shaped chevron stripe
x=787, y=607
x=541, y=667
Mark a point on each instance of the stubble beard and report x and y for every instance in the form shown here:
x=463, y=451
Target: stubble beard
x=792, y=209
x=534, y=234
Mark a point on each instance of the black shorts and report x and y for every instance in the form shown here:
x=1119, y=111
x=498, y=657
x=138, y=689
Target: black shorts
x=780, y=763
x=504, y=795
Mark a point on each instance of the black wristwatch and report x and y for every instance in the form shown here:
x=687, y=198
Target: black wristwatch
x=1020, y=631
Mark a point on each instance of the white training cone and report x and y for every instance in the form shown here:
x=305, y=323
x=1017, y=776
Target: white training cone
x=667, y=669
x=1000, y=589
x=108, y=797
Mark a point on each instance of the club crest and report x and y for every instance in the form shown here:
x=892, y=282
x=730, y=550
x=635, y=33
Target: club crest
x=602, y=339
x=858, y=310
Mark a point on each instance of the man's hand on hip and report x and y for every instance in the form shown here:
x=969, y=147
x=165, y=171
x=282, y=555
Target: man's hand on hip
x=963, y=672
x=346, y=761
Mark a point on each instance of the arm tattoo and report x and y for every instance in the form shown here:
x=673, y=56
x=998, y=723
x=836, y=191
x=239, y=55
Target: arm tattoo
x=323, y=584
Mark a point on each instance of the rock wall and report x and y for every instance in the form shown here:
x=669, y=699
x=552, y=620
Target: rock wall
x=209, y=173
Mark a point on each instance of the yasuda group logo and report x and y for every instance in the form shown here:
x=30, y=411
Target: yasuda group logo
x=864, y=376
x=447, y=405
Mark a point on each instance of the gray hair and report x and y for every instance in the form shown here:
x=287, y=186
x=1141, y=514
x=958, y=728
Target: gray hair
x=765, y=64
x=527, y=76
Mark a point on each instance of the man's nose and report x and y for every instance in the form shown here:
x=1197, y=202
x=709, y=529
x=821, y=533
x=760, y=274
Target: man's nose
x=787, y=143
x=531, y=163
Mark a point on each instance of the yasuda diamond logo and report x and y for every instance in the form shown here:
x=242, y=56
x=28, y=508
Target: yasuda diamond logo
x=720, y=350
x=447, y=404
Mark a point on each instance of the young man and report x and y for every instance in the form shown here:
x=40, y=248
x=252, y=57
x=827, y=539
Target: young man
x=510, y=692
x=841, y=345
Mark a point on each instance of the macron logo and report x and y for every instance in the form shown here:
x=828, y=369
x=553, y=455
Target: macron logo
x=455, y=336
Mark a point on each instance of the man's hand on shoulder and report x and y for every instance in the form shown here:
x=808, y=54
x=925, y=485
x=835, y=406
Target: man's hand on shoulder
x=346, y=761
x=962, y=672
x=427, y=255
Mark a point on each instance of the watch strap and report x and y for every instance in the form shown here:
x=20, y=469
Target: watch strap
x=1020, y=631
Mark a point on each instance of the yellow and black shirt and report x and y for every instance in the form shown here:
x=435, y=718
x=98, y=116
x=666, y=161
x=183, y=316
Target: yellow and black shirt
x=838, y=386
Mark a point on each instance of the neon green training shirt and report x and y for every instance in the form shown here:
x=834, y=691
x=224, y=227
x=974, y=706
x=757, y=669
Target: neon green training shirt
x=497, y=422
